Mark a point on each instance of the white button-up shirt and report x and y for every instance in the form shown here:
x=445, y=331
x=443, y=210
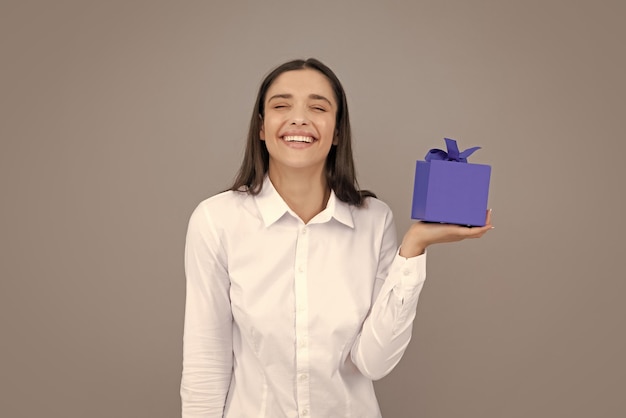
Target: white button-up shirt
x=286, y=319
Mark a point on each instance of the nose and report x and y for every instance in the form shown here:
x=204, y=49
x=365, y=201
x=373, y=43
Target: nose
x=298, y=121
x=298, y=117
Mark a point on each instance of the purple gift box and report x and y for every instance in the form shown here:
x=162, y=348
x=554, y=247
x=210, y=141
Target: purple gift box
x=448, y=189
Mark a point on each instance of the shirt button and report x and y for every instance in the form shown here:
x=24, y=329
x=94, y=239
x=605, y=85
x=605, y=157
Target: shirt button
x=305, y=412
x=303, y=377
x=407, y=272
x=301, y=269
x=303, y=231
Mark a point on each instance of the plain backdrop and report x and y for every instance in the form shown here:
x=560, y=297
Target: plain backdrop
x=119, y=117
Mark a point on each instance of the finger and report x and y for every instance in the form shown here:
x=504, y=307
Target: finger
x=483, y=230
x=478, y=232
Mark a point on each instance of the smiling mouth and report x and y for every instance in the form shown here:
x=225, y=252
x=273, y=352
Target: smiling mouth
x=298, y=138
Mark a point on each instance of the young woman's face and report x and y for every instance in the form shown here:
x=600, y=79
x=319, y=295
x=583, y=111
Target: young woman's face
x=299, y=123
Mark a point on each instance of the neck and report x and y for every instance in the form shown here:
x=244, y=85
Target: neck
x=305, y=193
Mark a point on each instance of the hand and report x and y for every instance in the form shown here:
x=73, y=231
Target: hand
x=422, y=234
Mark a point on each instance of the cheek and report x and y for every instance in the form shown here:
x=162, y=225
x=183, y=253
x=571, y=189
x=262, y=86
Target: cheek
x=268, y=126
x=329, y=127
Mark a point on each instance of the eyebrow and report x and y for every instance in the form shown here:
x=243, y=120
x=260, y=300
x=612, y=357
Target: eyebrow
x=290, y=96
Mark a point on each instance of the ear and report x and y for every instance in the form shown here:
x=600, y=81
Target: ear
x=262, y=131
x=336, y=138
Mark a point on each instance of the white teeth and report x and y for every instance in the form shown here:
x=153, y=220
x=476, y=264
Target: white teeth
x=306, y=139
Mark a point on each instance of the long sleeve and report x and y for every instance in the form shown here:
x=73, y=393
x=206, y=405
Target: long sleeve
x=207, y=342
x=387, y=329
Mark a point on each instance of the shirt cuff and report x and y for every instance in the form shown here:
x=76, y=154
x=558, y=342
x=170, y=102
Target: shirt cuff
x=410, y=274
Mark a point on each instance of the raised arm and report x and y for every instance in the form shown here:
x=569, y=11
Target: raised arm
x=401, y=274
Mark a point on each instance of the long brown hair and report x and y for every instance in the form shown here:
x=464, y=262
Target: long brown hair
x=339, y=168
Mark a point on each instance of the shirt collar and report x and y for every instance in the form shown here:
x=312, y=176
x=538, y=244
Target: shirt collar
x=272, y=207
x=270, y=204
x=339, y=210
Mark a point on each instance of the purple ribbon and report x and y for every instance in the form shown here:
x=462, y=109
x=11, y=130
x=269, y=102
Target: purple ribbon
x=453, y=153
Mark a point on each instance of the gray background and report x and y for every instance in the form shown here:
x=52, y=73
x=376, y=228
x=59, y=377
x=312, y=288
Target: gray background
x=118, y=117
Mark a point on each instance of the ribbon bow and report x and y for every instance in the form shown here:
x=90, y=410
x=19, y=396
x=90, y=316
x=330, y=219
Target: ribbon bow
x=453, y=153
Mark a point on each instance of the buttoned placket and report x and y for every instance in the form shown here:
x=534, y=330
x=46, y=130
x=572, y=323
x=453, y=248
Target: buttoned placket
x=302, y=319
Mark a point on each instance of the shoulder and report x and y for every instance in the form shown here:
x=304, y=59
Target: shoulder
x=373, y=213
x=373, y=206
x=220, y=208
x=226, y=198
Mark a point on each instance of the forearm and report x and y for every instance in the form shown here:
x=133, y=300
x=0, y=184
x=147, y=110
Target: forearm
x=206, y=377
x=207, y=355
x=387, y=330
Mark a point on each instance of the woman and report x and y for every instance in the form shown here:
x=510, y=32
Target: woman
x=298, y=296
